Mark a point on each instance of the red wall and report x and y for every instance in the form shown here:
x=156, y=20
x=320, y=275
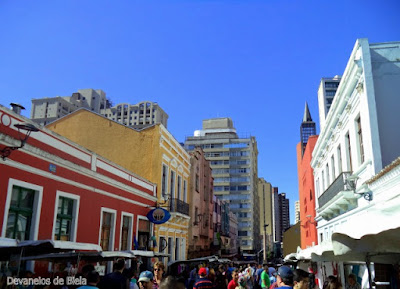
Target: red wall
x=308, y=229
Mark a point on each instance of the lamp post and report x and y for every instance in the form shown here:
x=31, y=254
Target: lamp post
x=6, y=151
x=265, y=241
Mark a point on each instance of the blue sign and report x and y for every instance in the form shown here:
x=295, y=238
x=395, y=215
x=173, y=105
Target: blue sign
x=158, y=216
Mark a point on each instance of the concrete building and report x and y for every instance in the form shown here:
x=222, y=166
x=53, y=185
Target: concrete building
x=307, y=128
x=277, y=216
x=291, y=239
x=234, y=164
x=138, y=116
x=54, y=189
x=358, y=145
x=201, y=207
x=326, y=92
x=284, y=212
x=265, y=200
x=152, y=153
x=297, y=211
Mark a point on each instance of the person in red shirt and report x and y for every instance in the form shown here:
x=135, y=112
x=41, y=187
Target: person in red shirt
x=235, y=278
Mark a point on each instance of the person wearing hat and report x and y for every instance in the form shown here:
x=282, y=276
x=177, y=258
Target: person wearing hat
x=146, y=280
x=284, y=277
x=203, y=282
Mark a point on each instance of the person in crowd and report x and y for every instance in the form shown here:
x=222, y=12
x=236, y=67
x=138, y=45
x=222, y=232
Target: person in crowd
x=284, y=277
x=352, y=282
x=333, y=283
x=221, y=281
x=248, y=274
x=146, y=280
x=192, y=277
x=234, y=282
x=92, y=278
x=171, y=282
x=159, y=269
x=265, y=282
x=242, y=281
x=115, y=279
x=300, y=279
x=257, y=282
x=203, y=282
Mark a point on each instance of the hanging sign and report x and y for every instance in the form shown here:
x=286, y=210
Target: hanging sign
x=158, y=216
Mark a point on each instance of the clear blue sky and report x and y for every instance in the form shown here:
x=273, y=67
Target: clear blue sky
x=257, y=62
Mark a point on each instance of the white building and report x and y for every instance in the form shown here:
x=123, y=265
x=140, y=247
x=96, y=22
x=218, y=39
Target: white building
x=358, y=143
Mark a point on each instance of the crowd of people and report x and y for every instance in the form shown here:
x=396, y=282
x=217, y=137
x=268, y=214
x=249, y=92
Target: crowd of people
x=206, y=276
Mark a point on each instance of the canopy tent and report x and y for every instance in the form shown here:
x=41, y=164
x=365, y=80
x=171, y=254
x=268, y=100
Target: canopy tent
x=87, y=256
x=9, y=247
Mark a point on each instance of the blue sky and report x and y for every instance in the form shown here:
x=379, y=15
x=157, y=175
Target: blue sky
x=257, y=62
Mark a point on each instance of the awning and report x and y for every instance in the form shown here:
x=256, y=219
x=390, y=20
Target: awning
x=292, y=257
x=374, y=233
x=87, y=256
x=321, y=252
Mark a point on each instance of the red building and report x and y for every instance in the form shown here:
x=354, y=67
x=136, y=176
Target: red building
x=304, y=149
x=54, y=189
x=308, y=227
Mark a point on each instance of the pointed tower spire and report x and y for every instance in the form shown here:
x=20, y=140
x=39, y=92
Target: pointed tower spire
x=307, y=114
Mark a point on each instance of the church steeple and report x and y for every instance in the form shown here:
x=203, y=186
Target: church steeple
x=307, y=114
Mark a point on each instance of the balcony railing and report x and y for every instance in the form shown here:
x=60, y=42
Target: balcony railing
x=342, y=183
x=179, y=206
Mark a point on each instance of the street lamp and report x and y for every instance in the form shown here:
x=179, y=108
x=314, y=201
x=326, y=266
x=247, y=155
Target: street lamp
x=6, y=151
x=265, y=241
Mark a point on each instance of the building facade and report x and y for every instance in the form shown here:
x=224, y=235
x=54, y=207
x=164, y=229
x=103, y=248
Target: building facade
x=265, y=200
x=358, y=142
x=55, y=189
x=138, y=116
x=297, y=211
x=234, y=169
x=201, y=206
x=152, y=153
x=326, y=92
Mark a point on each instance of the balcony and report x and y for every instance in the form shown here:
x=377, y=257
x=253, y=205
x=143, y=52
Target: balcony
x=338, y=198
x=178, y=206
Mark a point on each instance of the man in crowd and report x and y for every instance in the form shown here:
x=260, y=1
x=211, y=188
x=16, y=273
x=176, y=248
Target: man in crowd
x=265, y=282
x=352, y=282
x=146, y=280
x=203, y=282
x=115, y=279
x=284, y=278
x=235, y=278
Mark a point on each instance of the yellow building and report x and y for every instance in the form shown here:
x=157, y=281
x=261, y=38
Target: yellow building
x=152, y=153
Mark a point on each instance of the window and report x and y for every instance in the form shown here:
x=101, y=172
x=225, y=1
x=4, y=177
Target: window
x=126, y=231
x=64, y=221
x=184, y=190
x=349, y=161
x=164, y=178
x=323, y=181
x=20, y=214
x=179, y=187
x=172, y=185
x=197, y=183
x=328, y=178
x=170, y=248
x=177, y=248
x=311, y=195
x=106, y=228
x=339, y=155
x=333, y=168
x=360, y=141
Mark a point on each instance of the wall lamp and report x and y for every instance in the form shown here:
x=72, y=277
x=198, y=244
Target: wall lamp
x=6, y=151
x=308, y=221
x=198, y=219
x=351, y=185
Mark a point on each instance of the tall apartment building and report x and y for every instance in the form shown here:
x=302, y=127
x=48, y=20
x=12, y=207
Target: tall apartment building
x=284, y=210
x=277, y=215
x=234, y=168
x=297, y=211
x=326, y=93
x=138, y=116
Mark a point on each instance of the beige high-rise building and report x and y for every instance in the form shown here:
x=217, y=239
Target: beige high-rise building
x=234, y=168
x=297, y=211
x=138, y=116
x=265, y=197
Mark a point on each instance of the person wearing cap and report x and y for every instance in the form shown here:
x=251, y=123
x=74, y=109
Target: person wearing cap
x=146, y=280
x=203, y=282
x=284, y=277
x=265, y=282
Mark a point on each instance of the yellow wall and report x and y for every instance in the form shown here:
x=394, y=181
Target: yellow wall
x=142, y=152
